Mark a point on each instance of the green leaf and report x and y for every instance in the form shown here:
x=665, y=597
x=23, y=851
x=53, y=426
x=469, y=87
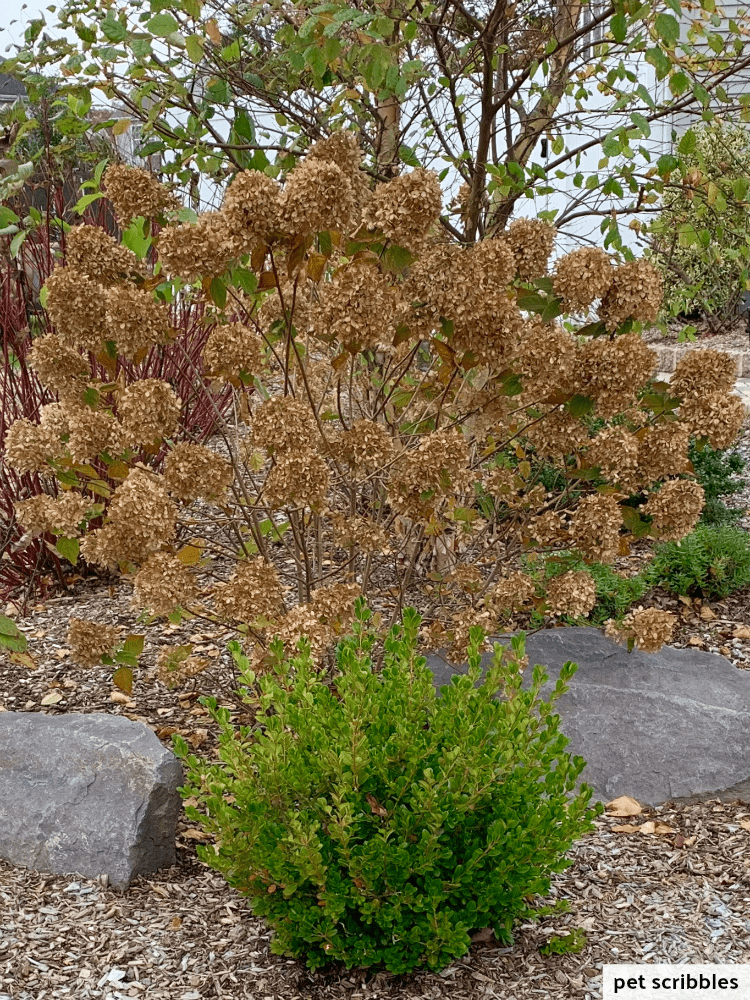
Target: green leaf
x=580, y=405
x=218, y=292
x=667, y=28
x=619, y=27
x=88, y=199
x=162, y=25
x=7, y=216
x=688, y=143
x=15, y=243
x=135, y=238
x=123, y=679
x=112, y=28
x=661, y=63
x=133, y=645
x=10, y=637
x=194, y=45
x=68, y=548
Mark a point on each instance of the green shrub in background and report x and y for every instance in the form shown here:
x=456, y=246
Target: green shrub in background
x=614, y=593
x=701, y=238
x=717, y=472
x=712, y=561
x=373, y=823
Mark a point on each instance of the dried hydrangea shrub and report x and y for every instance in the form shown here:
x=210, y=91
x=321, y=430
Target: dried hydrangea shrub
x=531, y=242
x=162, y=584
x=595, y=528
x=251, y=206
x=675, y=508
x=698, y=372
x=546, y=358
x=55, y=363
x=366, y=446
x=636, y=293
x=572, y=593
x=91, y=251
x=89, y=641
x=405, y=208
x=557, y=435
x=91, y=432
x=282, y=423
x=510, y=592
x=192, y=471
x=616, y=451
x=205, y=248
x=135, y=192
x=298, y=479
x=318, y=195
x=135, y=320
x=148, y=410
x=232, y=348
x=612, y=371
x=438, y=466
x=321, y=620
x=663, y=452
x=583, y=276
x=75, y=305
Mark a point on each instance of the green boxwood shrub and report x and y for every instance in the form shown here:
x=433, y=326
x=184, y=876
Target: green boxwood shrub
x=712, y=561
x=374, y=823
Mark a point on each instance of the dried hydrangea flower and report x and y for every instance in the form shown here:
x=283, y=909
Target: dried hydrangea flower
x=254, y=591
x=648, y=628
x=91, y=432
x=192, y=251
x=357, y=307
x=281, y=424
x=675, y=508
x=437, y=467
x=55, y=363
x=460, y=632
x=298, y=479
x=61, y=516
x=192, y=471
x=342, y=148
x=251, y=205
x=612, y=371
x=29, y=447
x=715, y=415
x=93, y=252
x=231, y=348
x=636, y=293
x=175, y=665
x=547, y=528
x=405, y=208
x=595, y=528
x=558, y=434
x=135, y=320
x=546, y=358
x=322, y=620
x=531, y=242
x=149, y=410
x=135, y=192
x=89, y=641
x=75, y=304
x=162, y=584
x=318, y=195
x=615, y=450
x=572, y=593
x=697, y=371
x=663, y=452
x=583, y=276
x=367, y=446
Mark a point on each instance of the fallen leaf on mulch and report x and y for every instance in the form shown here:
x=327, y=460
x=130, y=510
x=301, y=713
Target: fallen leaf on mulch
x=52, y=698
x=695, y=640
x=623, y=806
x=707, y=614
x=741, y=632
x=745, y=824
x=193, y=833
x=649, y=827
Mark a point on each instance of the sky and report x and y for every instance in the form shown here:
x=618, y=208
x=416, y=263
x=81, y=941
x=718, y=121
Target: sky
x=12, y=11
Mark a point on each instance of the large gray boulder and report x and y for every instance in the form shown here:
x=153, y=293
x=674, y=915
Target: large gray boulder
x=88, y=794
x=666, y=726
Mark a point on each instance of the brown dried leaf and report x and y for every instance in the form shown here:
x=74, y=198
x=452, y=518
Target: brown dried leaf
x=626, y=828
x=741, y=632
x=193, y=833
x=623, y=806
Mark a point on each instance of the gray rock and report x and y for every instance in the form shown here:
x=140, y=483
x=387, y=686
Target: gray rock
x=91, y=794
x=667, y=726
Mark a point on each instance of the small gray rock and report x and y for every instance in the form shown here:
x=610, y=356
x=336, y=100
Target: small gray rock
x=666, y=726
x=93, y=794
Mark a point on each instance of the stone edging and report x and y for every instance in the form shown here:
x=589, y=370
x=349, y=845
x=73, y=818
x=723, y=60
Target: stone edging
x=669, y=356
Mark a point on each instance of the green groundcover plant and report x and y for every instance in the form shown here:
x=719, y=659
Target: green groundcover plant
x=374, y=823
x=712, y=561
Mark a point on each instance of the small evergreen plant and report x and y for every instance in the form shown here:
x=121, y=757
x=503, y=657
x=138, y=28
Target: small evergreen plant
x=717, y=470
x=374, y=823
x=712, y=561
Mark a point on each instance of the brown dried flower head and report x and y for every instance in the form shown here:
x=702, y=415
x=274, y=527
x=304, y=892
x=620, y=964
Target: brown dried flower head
x=559, y=433
x=93, y=252
x=148, y=410
x=663, y=452
x=61, y=516
x=205, y=248
x=298, y=479
x=253, y=592
x=531, y=242
x=135, y=320
x=648, y=628
x=232, y=348
x=510, y=592
x=615, y=450
x=572, y=593
x=192, y=471
x=135, y=192
x=282, y=423
x=595, y=528
x=405, y=208
x=546, y=358
x=163, y=584
x=357, y=307
x=583, y=276
x=318, y=195
x=367, y=446
x=56, y=364
x=636, y=293
x=675, y=508
x=715, y=415
x=698, y=372
x=29, y=447
x=75, y=305
x=175, y=665
x=612, y=371
x=368, y=536
x=322, y=620
x=251, y=205
x=89, y=641
x=91, y=432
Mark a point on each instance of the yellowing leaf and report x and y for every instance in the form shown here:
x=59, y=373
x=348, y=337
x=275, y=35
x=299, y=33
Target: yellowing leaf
x=52, y=698
x=123, y=678
x=24, y=660
x=118, y=470
x=212, y=30
x=120, y=127
x=623, y=806
x=316, y=266
x=189, y=555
